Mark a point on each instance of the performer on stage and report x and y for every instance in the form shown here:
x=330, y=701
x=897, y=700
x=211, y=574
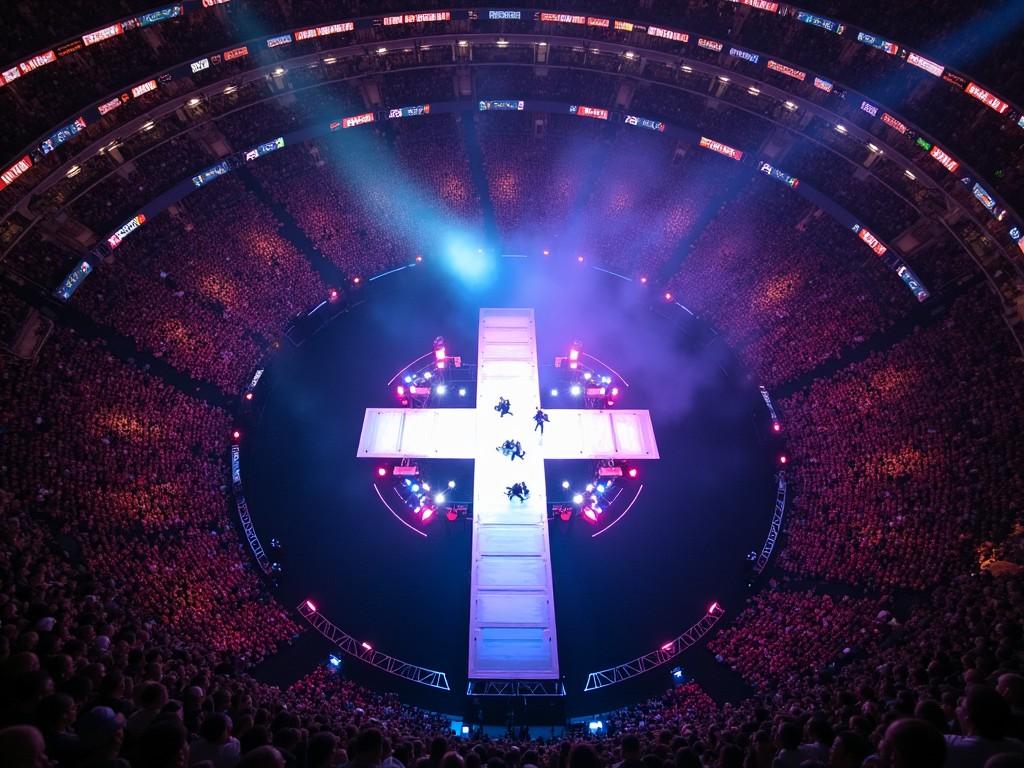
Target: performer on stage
x=540, y=418
x=515, y=492
x=504, y=407
x=519, y=453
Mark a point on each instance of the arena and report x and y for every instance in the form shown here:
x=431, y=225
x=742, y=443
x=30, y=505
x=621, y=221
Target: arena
x=582, y=385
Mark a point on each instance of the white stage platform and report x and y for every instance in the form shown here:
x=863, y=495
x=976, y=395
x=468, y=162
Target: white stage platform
x=512, y=612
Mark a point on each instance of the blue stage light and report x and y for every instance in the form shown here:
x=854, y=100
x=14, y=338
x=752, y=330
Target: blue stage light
x=462, y=391
x=554, y=393
x=575, y=391
x=441, y=389
x=416, y=488
x=600, y=489
x=334, y=661
x=565, y=484
x=408, y=379
x=577, y=499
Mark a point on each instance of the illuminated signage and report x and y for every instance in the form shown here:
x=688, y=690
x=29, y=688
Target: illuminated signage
x=668, y=34
x=739, y=53
x=893, y=123
x=73, y=280
x=722, y=149
x=505, y=15
x=61, y=135
x=597, y=21
x=199, y=66
x=877, y=42
x=351, y=122
x=12, y=174
x=872, y=242
x=126, y=229
x=236, y=53
x=265, y=148
x=146, y=87
x=761, y=5
x=772, y=172
x=305, y=34
x=421, y=109
x=40, y=60
x=211, y=173
x=823, y=85
x=623, y=26
x=945, y=160
x=711, y=45
x=927, y=65
x=11, y=74
x=988, y=201
x=91, y=38
x=822, y=22
x=113, y=104
x=563, y=18
x=417, y=18
x=161, y=14
x=211, y=3
x=917, y=288
x=870, y=108
x=785, y=69
x=73, y=46
x=274, y=42
x=582, y=111
x=502, y=105
x=643, y=122
x=334, y=29
x=987, y=98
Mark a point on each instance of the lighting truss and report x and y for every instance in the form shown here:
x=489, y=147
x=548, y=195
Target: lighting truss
x=515, y=688
x=364, y=652
x=776, y=526
x=656, y=658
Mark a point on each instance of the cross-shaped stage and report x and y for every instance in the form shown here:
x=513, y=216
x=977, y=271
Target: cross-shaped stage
x=512, y=610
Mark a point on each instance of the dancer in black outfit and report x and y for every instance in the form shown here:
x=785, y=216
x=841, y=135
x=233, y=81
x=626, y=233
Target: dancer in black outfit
x=504, y=407
x=540, y=418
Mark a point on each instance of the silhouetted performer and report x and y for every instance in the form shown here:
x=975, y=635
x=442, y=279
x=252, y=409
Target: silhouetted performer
x=540, y=418
x=516, y=492
x=504, y=407
x=518, y=453
x=507, y=448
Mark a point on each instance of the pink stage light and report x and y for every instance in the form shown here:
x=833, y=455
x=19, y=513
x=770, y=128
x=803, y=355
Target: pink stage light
x=668, y=296
x=579, y=259
x=309, y=604
x=427, y=513
x=632, y=472
x=367, y=646
x=713, y=607
x=357, y=280
x=547, y=252
x=419, y=259
x=667, y=647
x=615, y=391
x=782, y=459
x=382, y=471
x=776, y=427
x=589, y=514
x=643, y=281
x=332, y=295
x=611, y=403
x=400, y=390
x=566, y=514
x=248, y=395
x=236, y=435
x=452, y=515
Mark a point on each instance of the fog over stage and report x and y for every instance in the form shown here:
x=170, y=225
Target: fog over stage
x=706, y=502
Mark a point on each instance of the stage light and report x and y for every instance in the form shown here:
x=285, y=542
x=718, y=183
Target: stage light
x=408, y=379
x=428, y=375
x=332, y=295
x=713, y=607
x=587, y=375
x=382, y=471
x=333, y=661
x=236, y=434
x=632, y=472
x=668, y=296
x=598, y=510
x=367, y=646
x=419, y=259
x=400, y=390
x=357, y=280
x=462, y=391
x=565, y=484
x=309, y=604
x=575, y=391
x=574, y=354
x=589, y=515
x=439, y=498
x=600, y=489
x=451, y=483
x=415, y=488
x=427, y=513
x=547, y=252
x=248, y=395
x=451, y=515
x=577, y=498
x=590, y=487
x=439, y=352
x=606, y=379
x=610, y=403
x=595, y=725
x=565, y=514
x=776, y=427
x=441, y=389
x=667, y=647
x=408, y=481
x=782, y=459
x=426, y=486
x=579, y=259
x=593, y=499
x=554, y=393
x=615, y=391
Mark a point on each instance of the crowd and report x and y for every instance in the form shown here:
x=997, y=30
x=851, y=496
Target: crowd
x=908, y=460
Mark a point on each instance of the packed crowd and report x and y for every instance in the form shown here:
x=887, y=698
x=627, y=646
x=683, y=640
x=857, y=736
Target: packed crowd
x=908, y=459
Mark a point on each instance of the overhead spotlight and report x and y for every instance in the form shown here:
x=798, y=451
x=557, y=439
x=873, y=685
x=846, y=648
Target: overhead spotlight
x=451, y=483
x=332, y=295
x=451, y=515
x=426, y=486
x=643, y=280
x=554, y=393
x=615, y=391
x=382, y=471
x=776, y=427
x=462, y=391
x=400, y=390
x=310, y=605
x=574, y=354
x=600, y=488
x=333, y=661
x=367, y=646
x=579, y=259
x=577, y=498
x=427, y=513
x=547, y=252
x=632, y=472
x=782, y=459
x=565, y=514
x=419, y=259
x=668, y=296
x=441, y=389
x=565, y=484
x=439, y=498
x=415, y=488
x=428, y=375
x=590, y=487
x=408, y=379
x=236, y=434
x=575, y=390
x=713, y=607
x=440, y=354
x=248, y=395
x=590, y=515
x=587, y=376
x=357, y=280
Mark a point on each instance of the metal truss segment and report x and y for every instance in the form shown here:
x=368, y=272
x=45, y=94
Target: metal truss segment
x=776, y=527
x=638, y=666
x=364, y=652
x=515, y=688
